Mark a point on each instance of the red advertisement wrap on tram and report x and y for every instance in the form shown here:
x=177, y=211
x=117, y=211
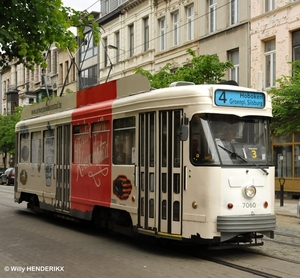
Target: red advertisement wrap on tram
x=91, y=182
x=97, y=94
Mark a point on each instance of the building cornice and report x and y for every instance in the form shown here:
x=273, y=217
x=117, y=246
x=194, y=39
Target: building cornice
x=130, y=5
x=274, y=12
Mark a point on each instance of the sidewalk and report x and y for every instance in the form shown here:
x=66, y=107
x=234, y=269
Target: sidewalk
x=289, y=207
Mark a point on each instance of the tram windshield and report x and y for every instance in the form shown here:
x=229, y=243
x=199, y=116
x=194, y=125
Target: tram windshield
x=228, y=139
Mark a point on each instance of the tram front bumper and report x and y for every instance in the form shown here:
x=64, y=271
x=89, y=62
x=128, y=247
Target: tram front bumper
x=240, y=224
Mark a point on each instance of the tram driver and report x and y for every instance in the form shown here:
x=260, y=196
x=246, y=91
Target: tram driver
x=228, y=139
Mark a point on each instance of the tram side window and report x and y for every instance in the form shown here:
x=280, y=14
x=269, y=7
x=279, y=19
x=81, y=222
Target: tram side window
x=24, y=147
x=100, y=142
x=36, y=148
x=198, y=145
x=48, y=147
x=124, y=141
x=202, y=146
x=81, y=144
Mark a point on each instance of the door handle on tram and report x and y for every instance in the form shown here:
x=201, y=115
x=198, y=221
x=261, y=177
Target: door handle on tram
x=184, y=178
x=53, y=174
x=136, y=176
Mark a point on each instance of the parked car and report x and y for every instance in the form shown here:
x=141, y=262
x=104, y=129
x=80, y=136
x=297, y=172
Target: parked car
x=2, y=170
x=8, y=177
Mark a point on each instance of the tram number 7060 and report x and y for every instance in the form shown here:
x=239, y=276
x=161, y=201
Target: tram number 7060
x=249, y=205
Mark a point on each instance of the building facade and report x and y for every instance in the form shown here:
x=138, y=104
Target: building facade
x=151, y=33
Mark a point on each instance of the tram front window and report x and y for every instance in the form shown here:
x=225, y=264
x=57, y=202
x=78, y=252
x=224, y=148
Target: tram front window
x=227, y=139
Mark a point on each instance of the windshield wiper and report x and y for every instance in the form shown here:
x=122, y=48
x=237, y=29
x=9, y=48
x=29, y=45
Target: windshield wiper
x=234, y=155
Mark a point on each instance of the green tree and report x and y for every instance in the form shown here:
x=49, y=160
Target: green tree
x=286, y=102
x=29, y=27
x=7, y=134
x=203, y=69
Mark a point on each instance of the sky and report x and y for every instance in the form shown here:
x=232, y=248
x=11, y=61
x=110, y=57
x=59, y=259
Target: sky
x=81, y=5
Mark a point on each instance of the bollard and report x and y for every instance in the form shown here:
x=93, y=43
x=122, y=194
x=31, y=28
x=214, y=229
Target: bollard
x=281, y=181
x=298, y=208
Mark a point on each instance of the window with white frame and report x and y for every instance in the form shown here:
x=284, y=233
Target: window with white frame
x=146, y=33
x=162, y=28
x=212, y=15
x=296, y=45
x=269, y=5
x=66, y=74
x=55, y=62
x=270, y=63
x=49, y=61
x=105, y=59
x=234, y=11
x=117, y=45
x=234, y=72
x=88, y=48
x=106, y=7
x=131, y=40
x=175, y=28
x=24, y=75
x=190, y=23
x=72, y=72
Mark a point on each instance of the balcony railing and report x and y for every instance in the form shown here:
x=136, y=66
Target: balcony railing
x=12, y=89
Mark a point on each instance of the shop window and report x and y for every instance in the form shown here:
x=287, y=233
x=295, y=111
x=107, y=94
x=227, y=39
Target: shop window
x=297, y=137
x=297, y=161
x=283, y=161
x=283, y=139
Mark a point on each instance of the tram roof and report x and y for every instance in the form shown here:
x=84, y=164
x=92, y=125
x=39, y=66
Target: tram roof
x=134, y=93
x=200, y=97
x=107, y=91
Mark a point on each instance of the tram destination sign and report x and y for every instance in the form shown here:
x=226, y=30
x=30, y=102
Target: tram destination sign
x=239, y=99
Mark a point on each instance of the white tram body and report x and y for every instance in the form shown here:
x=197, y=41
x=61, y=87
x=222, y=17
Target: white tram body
x=153, y=161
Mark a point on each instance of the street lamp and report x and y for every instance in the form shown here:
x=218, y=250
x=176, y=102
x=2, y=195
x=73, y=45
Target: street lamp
x=113, y=47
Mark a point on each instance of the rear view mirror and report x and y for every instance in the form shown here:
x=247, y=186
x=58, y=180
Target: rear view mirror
x=184, y=132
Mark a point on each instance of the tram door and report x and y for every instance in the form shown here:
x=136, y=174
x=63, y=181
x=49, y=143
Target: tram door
x=160, y=166
x=62, y=168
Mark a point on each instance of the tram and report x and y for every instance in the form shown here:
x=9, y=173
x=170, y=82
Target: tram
x=152, y=162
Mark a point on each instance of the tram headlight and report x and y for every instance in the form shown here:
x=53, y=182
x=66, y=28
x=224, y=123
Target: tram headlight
x=249, y=191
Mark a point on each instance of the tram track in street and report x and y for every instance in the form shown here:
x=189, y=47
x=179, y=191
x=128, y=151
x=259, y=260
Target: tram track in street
x=282, y=243
x=242, y=268
x=286, y=235
x=244, y=259
x=258, y=252
x=238, y=259
x=274, y=249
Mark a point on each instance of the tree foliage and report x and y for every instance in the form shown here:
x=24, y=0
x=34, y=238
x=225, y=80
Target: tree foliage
x=7, y=133
x=203, y=69
x=286, y=102
x=29, y=27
